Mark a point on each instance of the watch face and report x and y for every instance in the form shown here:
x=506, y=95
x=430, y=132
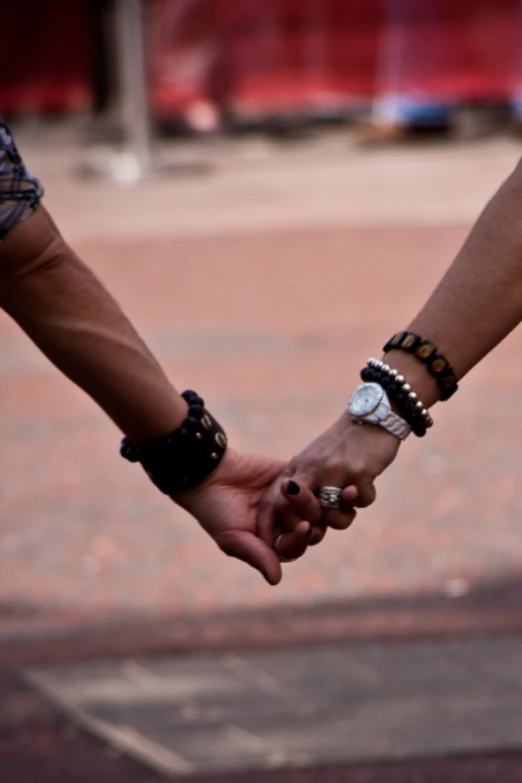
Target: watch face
x=366, y=399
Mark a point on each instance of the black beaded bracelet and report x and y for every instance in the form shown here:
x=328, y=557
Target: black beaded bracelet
x=418, y=427
x=185, y=457
x=400, y=389
x=427, y=353
x=399, y=392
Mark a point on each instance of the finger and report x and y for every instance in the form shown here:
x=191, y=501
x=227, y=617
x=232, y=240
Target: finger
x=341, y=518
x=301, y=501
x=349, y=496
x=296, y=505
x=249, y=548
x=366, y=494
x=317, y=534
x=285, y=519
x=276, y=514
x=291, y=546
x=267, y=511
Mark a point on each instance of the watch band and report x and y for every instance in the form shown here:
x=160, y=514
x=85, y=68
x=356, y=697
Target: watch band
x=395, y=425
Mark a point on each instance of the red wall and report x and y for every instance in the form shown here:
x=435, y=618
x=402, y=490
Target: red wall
x=45, y=55
x=263, y=55
x=266, y=55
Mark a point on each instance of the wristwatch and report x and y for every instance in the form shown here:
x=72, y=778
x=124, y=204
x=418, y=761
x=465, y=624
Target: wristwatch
x=369, y=404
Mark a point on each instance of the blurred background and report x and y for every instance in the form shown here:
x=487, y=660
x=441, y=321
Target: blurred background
x=270, y=189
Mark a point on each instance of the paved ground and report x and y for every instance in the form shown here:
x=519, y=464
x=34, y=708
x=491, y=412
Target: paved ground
x=299, y=708
x=272, y=327
x=37, y=745
x=265, y=284
x=255, y=185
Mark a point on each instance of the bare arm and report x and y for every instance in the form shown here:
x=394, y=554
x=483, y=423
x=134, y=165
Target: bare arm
x=71, y=317
x=476, y=305
x=479, y=300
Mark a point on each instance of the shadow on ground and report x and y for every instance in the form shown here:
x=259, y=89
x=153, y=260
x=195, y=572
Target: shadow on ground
x=39, y=638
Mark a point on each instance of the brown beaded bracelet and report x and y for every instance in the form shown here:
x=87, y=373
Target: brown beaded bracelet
x=426, y=352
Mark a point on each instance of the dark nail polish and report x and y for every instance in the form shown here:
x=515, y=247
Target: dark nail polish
x=292, y=488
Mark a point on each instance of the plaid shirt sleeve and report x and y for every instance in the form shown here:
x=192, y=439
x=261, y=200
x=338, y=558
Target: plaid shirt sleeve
x=20, y=191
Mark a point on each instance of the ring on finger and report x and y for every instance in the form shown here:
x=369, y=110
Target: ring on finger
x=281, y=558
x=330, y=497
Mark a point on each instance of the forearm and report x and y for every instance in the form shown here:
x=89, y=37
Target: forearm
x=70, y=316
x=479, y=300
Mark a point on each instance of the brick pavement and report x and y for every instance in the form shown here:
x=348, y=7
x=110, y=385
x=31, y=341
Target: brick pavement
x=38, y=745
x=273, y=326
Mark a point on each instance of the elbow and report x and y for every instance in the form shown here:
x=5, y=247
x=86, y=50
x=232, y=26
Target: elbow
x=32, y=247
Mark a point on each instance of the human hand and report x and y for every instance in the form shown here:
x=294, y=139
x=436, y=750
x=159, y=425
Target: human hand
x=226, y=506
x=349, y=456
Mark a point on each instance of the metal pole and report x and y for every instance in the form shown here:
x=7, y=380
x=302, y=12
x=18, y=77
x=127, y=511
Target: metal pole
x=133, y=82
x=136, y=161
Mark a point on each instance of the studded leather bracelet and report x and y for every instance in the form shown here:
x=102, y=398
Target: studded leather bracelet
x=185, y=457
x=427, y=353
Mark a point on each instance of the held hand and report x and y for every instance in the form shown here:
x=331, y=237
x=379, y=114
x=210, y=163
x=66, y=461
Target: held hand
x=226, y=506
x=349, y=456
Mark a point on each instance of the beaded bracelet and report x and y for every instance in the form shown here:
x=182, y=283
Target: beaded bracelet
x=400, y=398
x=185, y=457
x=400, y=392
x=427, y=353
x=403, y=391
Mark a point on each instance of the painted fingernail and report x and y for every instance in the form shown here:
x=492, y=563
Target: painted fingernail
x=292, y=488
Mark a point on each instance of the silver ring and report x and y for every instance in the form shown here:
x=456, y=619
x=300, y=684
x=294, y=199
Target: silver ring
x=330, y=497
x=281, y=558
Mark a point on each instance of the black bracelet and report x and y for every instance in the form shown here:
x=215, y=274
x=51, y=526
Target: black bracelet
x=418, y=427
x=187, y=456
x=427, y=353
x=399, y=392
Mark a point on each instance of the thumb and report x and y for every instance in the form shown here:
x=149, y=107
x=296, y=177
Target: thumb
x=302, y=501
x=250, y=549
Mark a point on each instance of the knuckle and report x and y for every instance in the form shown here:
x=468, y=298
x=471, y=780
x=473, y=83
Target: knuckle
x=357, y=470
x=365, y=501
x=333, y=467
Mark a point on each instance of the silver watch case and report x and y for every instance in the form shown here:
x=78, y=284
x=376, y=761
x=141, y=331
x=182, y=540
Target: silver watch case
x=369, y=404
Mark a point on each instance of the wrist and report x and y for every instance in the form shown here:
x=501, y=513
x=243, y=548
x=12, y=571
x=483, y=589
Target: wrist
x=345, y=427
x=159, y=422
x=186, y=456
x=189, y=498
